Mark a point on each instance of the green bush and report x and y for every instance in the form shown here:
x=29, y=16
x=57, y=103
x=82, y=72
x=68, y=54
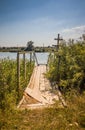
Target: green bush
x=67, y=68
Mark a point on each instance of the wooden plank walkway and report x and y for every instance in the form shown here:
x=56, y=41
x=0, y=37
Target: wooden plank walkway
x=39, y=91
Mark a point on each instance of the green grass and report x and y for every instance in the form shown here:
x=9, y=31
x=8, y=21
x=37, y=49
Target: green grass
x=8, y=82
x=69, y=118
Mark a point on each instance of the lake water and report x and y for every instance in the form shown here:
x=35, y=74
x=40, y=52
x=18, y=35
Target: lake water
x=41, y=57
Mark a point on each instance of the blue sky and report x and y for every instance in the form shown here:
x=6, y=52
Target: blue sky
x=40, y=21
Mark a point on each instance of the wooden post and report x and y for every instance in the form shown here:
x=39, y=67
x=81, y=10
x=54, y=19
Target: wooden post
x=18, y=74
x=58, y=69
x=48, y=61
x=24, y=63
x=30, y=59
x=35, y=58
x=57, y=48
x=58, y=39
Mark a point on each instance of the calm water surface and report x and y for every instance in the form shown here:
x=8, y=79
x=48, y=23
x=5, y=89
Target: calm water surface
x=42, y=57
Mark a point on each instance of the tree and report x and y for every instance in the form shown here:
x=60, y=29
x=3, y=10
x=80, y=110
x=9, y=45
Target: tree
x=29, y=46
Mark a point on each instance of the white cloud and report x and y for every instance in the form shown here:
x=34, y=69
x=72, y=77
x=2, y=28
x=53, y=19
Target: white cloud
x=74, y=32
x=75, y=29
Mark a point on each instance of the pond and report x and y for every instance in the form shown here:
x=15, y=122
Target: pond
x=41, y=57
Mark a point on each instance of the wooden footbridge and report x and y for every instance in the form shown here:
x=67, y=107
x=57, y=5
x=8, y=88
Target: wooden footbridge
x=39, y=92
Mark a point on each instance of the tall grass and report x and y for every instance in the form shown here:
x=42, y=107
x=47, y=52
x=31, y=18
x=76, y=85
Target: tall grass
x=8, y=82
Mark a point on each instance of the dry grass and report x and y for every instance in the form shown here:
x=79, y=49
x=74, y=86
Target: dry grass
x=70, y=118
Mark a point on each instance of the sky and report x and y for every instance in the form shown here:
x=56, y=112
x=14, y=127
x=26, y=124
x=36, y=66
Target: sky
x=40, y=21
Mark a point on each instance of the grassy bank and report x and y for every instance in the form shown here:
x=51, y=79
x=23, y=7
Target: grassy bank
x=8, y=82
x=70, y=118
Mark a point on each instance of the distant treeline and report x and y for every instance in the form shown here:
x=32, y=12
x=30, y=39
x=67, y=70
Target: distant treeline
x=8, y=49
x=36, y=49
